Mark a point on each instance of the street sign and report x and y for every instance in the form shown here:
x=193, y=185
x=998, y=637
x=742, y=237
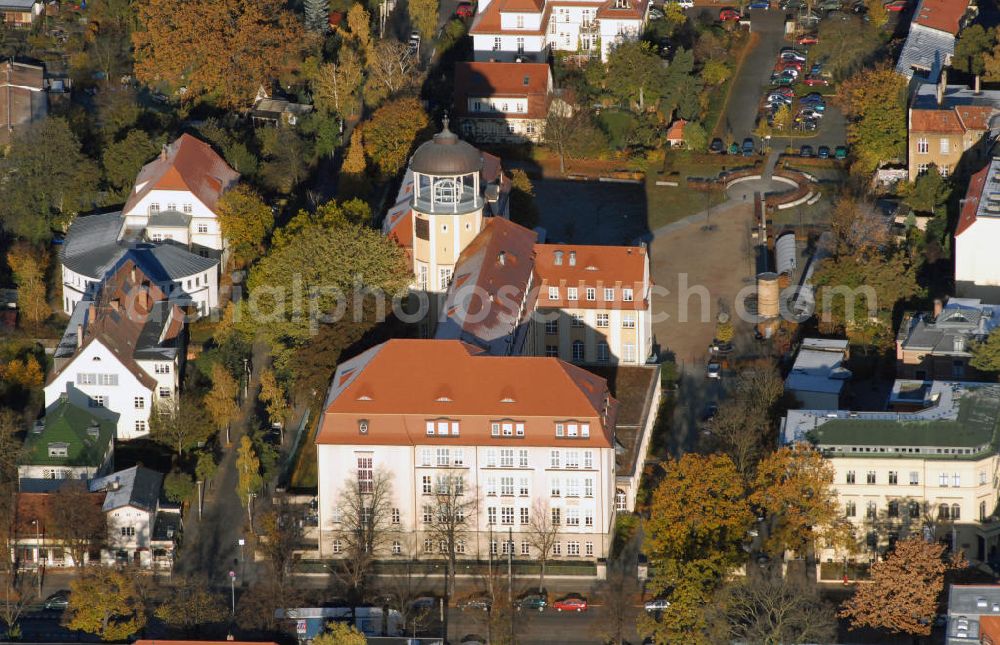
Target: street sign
x=300, y=627
x=242, y=542
x=232, y=574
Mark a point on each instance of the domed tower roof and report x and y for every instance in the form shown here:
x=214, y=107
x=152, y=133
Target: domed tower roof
x=446, y=154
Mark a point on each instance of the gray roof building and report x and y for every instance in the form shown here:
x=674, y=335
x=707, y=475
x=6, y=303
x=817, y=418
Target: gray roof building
x=973, y=614
x=136, y=486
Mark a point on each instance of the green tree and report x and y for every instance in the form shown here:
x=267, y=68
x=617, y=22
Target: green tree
x=28, y=265
x=874, y=100
x=245, y=220
x=249, y=480
x=635, y=74
x=206, y=467
x=178, y=486
x=329, y=215
x=317, y=14
x=191, y=604
x=973, y=43
x=106, y=603
x=845, y=45
x=286, y=158
x=43, y=186
x=183, y=428
x=695, y=137
x=523, y=209
x=340, y=634
x=929, y=192
x=986, y=355
x=391, y=132
x=682, y=87
x=424, y=16
x=716, y=72
x=123, y=159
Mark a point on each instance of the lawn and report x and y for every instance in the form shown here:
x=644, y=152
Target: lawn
x=668, y=204
x=306, y=471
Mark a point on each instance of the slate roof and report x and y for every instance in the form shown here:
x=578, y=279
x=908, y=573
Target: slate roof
x=926, y=50
x=92, y=248
x=819, y=367
x=87, y=437
x=136, y=486
x=966, y=319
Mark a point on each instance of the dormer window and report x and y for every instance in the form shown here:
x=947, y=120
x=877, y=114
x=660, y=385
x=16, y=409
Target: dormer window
x=442, y=428
x=363, y=426
x=58, y=449
x=557, y=258
x=520, y=22
x=621, y=4
x=154, y=208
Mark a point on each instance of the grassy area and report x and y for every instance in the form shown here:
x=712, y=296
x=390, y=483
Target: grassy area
x=306, y=471
x=667, y=204
x=835, y=571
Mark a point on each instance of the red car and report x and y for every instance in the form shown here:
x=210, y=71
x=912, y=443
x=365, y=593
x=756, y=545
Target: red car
x=570, y=604
x=729, y=14
x=807, y=39
x=464, y=10
x=813, y=81
x=896, y=5
x=784, y=91
x=788, y=64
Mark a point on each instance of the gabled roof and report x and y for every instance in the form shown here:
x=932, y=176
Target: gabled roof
x=943, y=15
x=926, y=50
x=635, y=10
x=136, y=486
x=187, y=164
x=401, y=383
x=38, y=507
x=581, y=266
x=974, y=196
x=492, y=278
x=488, y=22
x=935, y=121
x=86, y=436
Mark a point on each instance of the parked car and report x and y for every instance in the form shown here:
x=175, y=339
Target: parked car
x=532, y=601
x=812, y=80
x=683, y=4
x=714, y=370
x=464, y=10
x=896, y=6
x=792, y=55
x=840, y=152
x=810, y=113
x=859, y=9
x=778, y=98
x=476, y=602
x=806, y=151
x=791, y=5
x=782, y=79
x=57, y=601
x=414, y=44
x=424, y=603
x=823, y=152
x=808, y=125
x=748, y=147
x=807, y=39
x=717, y=146
x=734, y=148
x=658, y=604
x=570, y=603
x=760, y=4
x=728, y=14
x=830, y=5
x=812, y=98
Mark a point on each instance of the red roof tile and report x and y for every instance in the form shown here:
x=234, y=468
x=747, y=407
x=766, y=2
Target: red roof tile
x=975, y=117
x=676, y=131
x=186, y=164
x=937, y=121
x=400, y=385
x=599, y=267
x=503, y=80
x=943, y=15
x=488, y=23
x=972, y=195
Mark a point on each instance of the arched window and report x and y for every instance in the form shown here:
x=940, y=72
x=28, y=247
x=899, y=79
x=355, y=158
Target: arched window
x=956, y=512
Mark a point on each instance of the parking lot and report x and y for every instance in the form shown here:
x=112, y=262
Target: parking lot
x=748, y=104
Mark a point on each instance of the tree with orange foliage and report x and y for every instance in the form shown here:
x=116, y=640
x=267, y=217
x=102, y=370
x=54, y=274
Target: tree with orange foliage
x=26, y=372
x=223, y=48
x=903, y=594
x=29, y=264
x=794, y=486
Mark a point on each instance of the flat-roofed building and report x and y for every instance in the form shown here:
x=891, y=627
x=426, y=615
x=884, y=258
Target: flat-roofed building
x=932, y=471
x=973, y=615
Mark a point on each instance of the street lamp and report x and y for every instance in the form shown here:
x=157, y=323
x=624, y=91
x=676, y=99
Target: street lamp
x=243, y=561
x=232, y=589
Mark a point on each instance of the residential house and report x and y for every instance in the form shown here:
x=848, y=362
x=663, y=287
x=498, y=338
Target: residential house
x=930, y=43
x=675, y=134
x=20, y=13
x=977, y=234
x=973, y=615
x=518, y=435
x=142, y=528
x=169, y=217
x=525, y=30
x=949, y=125
x=122, y=352
x=274, y=111
x=502, y=102
x=593, y=305
x=23, y=97
x=70, y=442
x=931, y=471
x=37, y=541
x=936, y=345
x=818, y=376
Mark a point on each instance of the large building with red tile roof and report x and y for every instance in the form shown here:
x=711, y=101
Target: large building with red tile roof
x=930, y=43
x=512, y=438
x=525, y=30
x=502, y=102
x=948, y=125
x=122, y=352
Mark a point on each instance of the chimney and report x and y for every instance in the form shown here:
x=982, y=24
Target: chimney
x=91, y=313
x=942, y=84
x=79, y=335
x=115, y=304
x=938, y=307
x=163, y=151
x=979, y=84
x=132, y=274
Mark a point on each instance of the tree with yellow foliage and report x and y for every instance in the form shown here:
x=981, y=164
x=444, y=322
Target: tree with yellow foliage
x=249, y=480
x=221, y=399
x=104, y=602
x=245, y=220
x=340, y=634
x=26, y=372
x=222, y=48
x=28, y=265
x=424, y=16
x=273, y=395
x=391, y=133
x=353, y=172
x=359, y=25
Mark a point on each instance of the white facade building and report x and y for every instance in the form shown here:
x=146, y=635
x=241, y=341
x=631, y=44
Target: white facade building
x=934, y=471
x=525, y=435
x=977, y=235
